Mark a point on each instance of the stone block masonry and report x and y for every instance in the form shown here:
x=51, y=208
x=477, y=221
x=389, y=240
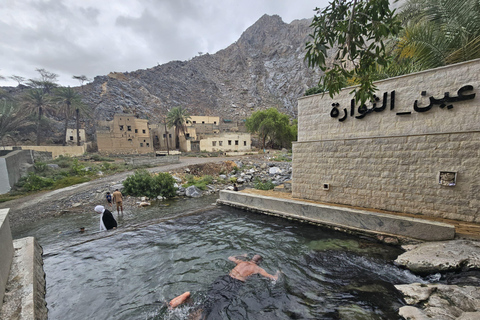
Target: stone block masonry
x=392, y=159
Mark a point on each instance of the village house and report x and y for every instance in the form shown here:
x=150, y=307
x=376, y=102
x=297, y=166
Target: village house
x=126, y=134
x=71, y=136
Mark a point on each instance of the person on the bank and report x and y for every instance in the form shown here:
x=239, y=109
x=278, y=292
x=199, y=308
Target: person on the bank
x=225, y=288
x=109, y=198
x=118, y=200
x=107, y=221
x=235, y=188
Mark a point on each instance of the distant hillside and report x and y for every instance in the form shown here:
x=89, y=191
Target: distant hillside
x=264, y=68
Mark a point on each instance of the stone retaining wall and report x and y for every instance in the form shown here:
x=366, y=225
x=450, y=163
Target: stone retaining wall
x=360, y=221
x=394, y=159
x=6, y=252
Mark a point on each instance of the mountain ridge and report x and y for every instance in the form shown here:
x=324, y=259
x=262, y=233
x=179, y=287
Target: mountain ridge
x=264, y=68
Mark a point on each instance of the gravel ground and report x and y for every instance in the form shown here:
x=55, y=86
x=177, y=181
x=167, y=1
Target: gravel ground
x=79, y=197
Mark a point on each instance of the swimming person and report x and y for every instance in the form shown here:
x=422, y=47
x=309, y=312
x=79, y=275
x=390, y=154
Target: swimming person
x=107, y=221
x=118, y=200
x=225, y=288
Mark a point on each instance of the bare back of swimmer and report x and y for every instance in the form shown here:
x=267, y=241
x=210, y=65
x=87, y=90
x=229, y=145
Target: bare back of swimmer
x=241, y=272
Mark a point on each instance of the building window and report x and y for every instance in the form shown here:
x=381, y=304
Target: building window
x=187, y=135
x=170, y=135
x=194, y=122
x=129, y=128
x=164, y=135
x=144, y=141
x=214, y=143
x=220, y=143
x=245, y=143
x=148, y=144
x=130, y=140
x=71, y=138
x=141, y=144
x=229, y=142
x=236, y=142
x=203, y=122
x=143, y=131
x=121, y=128
x=214, y=122
x=136, y=130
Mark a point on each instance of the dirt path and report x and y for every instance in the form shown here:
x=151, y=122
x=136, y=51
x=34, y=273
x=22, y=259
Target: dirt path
x=48, y=203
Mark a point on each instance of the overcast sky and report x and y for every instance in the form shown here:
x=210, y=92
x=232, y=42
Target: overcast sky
x=95, y=37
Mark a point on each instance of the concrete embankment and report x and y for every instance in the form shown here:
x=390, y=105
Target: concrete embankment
x=22, y=279
x=361, y=221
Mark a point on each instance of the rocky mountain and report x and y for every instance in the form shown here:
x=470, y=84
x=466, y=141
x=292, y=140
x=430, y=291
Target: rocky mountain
x=264, y=68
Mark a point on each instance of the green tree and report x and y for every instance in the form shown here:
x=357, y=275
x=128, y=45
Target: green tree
x=355, y=30
x=68, y=100
x=272, y=125
x=36, y=101
x=46, y=82
x=178, y=117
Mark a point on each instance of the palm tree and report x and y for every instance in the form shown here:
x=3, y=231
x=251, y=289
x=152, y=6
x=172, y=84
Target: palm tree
x=36, y=101
x=178, y=117
x=10, y=117
x=438, y=33
x=68, y=99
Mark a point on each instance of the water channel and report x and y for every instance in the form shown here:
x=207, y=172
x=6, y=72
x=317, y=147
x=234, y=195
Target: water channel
x=163, y=250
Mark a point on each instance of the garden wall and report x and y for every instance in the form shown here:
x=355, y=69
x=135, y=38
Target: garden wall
x=416, y=149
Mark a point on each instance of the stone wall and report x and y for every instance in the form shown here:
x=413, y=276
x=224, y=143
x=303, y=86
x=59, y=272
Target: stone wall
x=13, y=166
x=6, y=252
x=393, y=158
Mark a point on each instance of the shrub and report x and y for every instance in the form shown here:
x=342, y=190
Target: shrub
x=142, y=183
x=40, y=166
x=199, y=182
x=33, y=182
x=260, y=185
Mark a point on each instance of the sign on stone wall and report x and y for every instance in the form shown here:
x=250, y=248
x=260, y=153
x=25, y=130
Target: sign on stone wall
x=378, y=105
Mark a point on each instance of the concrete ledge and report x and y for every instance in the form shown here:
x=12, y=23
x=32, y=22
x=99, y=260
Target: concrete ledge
x=25, y=291
x=6, y=252
x=360, y=220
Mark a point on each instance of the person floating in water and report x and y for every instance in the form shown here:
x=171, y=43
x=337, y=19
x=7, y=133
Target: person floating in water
x=225, y=288
x=118, y=200
x=109, y=198
x=107, y=221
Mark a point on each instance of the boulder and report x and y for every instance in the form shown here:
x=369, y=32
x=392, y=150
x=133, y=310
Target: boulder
x=274, y=170
x=193, y=192
x=439, y=301
x=432, y=257
x=144, y=204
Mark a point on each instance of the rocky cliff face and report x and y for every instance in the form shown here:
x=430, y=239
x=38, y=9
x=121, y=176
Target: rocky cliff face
x=264, y=68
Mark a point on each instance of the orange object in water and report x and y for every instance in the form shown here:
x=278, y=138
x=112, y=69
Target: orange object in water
x=175, y=302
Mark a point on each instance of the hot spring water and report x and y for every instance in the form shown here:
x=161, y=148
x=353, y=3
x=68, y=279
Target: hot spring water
x=159, y=252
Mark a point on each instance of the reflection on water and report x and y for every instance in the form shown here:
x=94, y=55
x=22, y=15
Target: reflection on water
x=130, y=273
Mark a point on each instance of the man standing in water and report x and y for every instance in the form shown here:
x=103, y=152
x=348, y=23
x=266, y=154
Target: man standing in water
x=225, y=288
x=118, y=200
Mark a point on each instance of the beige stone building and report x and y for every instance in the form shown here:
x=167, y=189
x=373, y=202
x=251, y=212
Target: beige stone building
x=208, y=134
x=126, y=134
x=414, y=150
x=71, y=136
